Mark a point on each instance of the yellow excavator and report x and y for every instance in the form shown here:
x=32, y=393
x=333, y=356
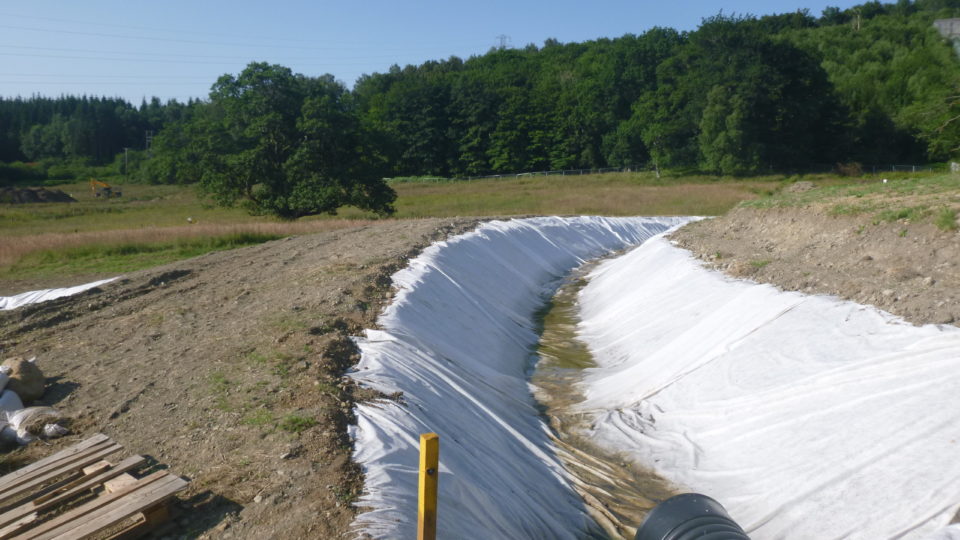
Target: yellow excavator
x=103, y=189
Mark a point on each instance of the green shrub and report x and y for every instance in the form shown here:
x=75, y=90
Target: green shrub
x=19, y=172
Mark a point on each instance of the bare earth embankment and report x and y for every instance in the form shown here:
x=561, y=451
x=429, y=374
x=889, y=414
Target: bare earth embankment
x=905, y=266
x=227, y=368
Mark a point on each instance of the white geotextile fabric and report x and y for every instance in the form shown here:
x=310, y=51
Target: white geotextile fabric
x=32, y=297
x=457, y=342
x=948, y=533
x=806, y=416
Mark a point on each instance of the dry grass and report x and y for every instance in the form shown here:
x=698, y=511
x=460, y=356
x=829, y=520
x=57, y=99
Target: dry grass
x=147, y=226
x=602, y=195
x=12, y=249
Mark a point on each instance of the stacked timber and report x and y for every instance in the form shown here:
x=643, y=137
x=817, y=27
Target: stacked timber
x=76, y=493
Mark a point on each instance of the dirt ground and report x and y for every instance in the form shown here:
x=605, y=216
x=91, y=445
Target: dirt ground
x=227, y=369
x=908, y=269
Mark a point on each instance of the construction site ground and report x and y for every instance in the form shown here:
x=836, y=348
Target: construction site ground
x=227, y=368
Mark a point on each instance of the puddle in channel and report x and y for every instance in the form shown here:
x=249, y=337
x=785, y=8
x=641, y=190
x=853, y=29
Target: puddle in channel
x=617, y=494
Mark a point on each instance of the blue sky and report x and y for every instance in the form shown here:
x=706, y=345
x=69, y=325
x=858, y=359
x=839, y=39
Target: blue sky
x=177, y=49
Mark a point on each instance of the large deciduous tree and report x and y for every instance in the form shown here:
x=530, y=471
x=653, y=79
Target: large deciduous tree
x=727, y=134
x=734, y=99
x=285, y=144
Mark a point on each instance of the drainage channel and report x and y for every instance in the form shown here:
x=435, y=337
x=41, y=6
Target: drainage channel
x=617, y=494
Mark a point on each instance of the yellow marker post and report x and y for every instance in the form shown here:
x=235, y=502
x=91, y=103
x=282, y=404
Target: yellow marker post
x=427, y=492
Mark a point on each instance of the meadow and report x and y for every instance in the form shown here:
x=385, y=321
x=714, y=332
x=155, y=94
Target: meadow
x=155, y=224
x=929, y=197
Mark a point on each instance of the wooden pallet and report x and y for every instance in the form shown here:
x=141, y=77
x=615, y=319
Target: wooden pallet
x=32, y=499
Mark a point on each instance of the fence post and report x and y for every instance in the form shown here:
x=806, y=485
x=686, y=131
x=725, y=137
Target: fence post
x=427, y=492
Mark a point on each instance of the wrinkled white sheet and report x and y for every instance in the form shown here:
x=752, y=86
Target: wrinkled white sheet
x=949, y=533
x=806, y=416
x=32, y=297
x=457, y=342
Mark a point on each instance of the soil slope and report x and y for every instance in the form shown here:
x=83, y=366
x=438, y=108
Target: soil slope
x=908, y=269
x=227, y=369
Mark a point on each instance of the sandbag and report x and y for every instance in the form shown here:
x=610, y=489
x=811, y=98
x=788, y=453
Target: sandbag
x=4, y=376
x=52, y=431
x=10, y=403
x=33, y=419
x=8, y=437
x=26, y=379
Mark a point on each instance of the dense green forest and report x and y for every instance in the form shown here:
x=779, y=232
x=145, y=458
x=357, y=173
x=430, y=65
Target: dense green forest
x=62, y=136
x=740, y=95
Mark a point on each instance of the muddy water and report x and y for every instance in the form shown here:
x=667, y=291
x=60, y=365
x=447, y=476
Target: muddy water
x=617, y=494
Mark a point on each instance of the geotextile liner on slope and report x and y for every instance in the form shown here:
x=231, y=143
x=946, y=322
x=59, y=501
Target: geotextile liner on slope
x=806, y=416
x=33, y=297
x=457, y=343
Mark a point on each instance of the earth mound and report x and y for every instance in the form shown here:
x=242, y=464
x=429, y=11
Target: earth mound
x=11, y=195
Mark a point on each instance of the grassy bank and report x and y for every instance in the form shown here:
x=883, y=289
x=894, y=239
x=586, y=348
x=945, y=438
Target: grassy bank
x=151, y=225
x=115, y=258
x=933, y=198
x=617, y=194
x=147, y=226
x=14, y=249
x=141, y=206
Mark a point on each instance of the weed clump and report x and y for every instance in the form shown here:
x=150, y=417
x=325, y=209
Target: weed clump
x=946, y=219
x=294, y=423
x=914, y=213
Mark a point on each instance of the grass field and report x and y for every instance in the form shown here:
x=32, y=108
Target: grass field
x=867, y=188
x=114, y=257
x=145, y=227
x=931, y=197
x=149, y=225
x=617, y=194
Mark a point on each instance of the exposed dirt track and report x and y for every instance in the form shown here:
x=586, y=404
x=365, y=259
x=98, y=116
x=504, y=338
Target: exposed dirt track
x=227, y=368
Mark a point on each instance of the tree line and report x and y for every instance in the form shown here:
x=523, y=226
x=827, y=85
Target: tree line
x=80, y=129
x=739, y=95
x=874, y=83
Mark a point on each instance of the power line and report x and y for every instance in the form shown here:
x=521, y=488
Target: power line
x=204, y=33
x=111, y=83
x=176, y=61
x=186, y=41
x=175, y=55
x=152, y=29
x=149, y=60
x=94, y=75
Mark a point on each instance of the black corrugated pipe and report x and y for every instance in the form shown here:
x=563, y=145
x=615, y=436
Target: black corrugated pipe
x=687, y=517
